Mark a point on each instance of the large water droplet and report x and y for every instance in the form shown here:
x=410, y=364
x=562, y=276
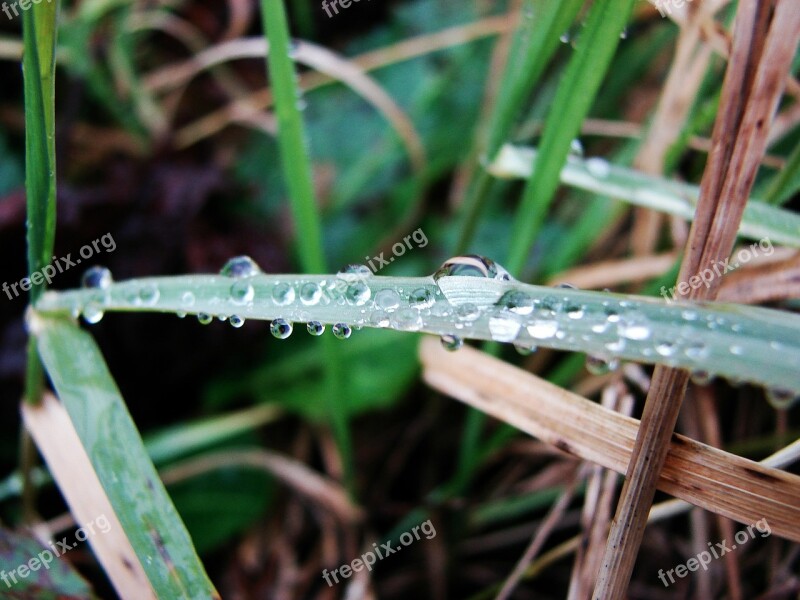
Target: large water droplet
x=283, y=294
x=468, y=311
x=310, y=294
x=599, y=365
x=451, y=342
x=342, y=331
x=97, y=278
x=242, y=292
x=387, y=299
x=635, y=331
x=240, y=266
x=421, y=298
x=503, y=330
x=471, y=265
x=236, y=321
x=149, y=294
x=665, y=348
x=781, y=398
x=92, y=313
x=204, y=318
x=407, y=319
x=354, y=273
x=280, y=328
x=517, y=302
x=598, y=167
x=542, y=330
x=315, y=328
x=358, y=293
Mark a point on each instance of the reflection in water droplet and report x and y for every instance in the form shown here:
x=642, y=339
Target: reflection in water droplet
x=148, y=294
x=204, y=318
x=280, y=328
x=358, y=293
x=598, y=365
x=236, y=321
x=342, y=331
x=379, y=318
x=407, y=319
x=468, y=311
x=354, y=273
x=242, y=292
x=310, y=294
x=781, y=398
x=187, y=299
x=92, y=313
x=240, y=266
x=471, y=265
x=97, y=278
x=283, y=294
x=524, y=349
x=315, y=328
x=517, y=302
x=421, y=298
x=387, y=299
x=451, y=342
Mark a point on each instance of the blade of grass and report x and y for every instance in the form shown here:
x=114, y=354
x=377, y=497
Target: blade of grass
x=114, y=447
x=298, y=174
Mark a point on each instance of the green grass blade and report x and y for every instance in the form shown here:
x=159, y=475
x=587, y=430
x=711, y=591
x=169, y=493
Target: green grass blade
x=110, y=438
x=786, y=182
x=38, y=65
x=593, y=53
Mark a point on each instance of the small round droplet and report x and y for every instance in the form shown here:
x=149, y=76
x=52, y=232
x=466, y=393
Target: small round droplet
x=187, y=299
x=92, y=313
x=204, y=318
x=387, y=299
x=315, y=328
x=451, y=342
x=524, y=349
x=240, y=266
x=576, y=148
x=342, y=331
x=407, y=319
x=665, y=348
x=471, y=265
x=598, y=167
x=575, y=311
x=148, y=294
x=468, y=311
x=421, y=298
x=354, y=272
x=236, y=321
x=599, y=365
x=697, y=351
x=280, y=328
x=358, y=293
x=97, y=278
x=781, y=398
x=310, y=294
x=517, y=302
x=701, y=378
x=283, y=294
x=242, y=292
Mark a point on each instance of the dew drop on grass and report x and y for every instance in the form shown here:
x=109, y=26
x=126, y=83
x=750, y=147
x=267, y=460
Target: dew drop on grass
x=598, y=167
x=665, y=348
x=407, y=319
x=781, y=398
x=204, y=318
x=236, y=321
x=149, y=294
x=697, y=351
x=471, y=265
x=315, y=328
x=575, y=311
x=310, y=294
x=354, y=272
x=503, y=330
x=180, y=314
x=576, y=148
x=517, y=302
x=542, y=330
x=98, y=278
x=280, y=328
x=524, y=349
x=187, y=299
x=635, y=332
x=242, y=292
x=451, y=342
x=240, y=266
x=599, y=365
x=379, y=318
x=468, y=312
x=387, y=299
x=701, y=377
x=421, y=298
x=92, y=313
x=342, y=331
x=358, y=293
x=283, y=294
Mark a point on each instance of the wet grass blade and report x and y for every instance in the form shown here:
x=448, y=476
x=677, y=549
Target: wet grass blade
x=112, y=442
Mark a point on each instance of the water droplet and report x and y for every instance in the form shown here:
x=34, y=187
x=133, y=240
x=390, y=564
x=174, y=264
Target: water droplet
x=599, y=365
x=358, y=293
x=280, y=328
x=379, y=318
x=781, y=398
x=701, y=378
x=421, y=298
x=354, y=273
x=471, y=265
x=564, y=37
x=567, y=286
x=92, y=313
x=598, y=167
x=283, y=294
x=236, y=321
x=342, y=331
x=612, y=316
x=665, y=348
x=575, y=312
x=97, y=278
x=542, y=330
x=468, y=311
x=222, y=317
x=387, y=299
x=187, y=299
x=242, y=292
x=737, y=350
x=407, y=319
x=517, y=302
x=697, y=351
x=576, y=148
x=623, y=35
x=689, y=315
x=315, y=328
x=310, y=294
x=148, y=294
x=240, y=266
x=204, y=318
x=180, y=314
x=636, y=332
x=524, y=349
x=451, y=342
x=503, y=330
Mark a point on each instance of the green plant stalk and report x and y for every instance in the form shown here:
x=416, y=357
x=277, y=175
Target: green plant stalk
x=786, y=182
x=593, y=53
x=740, y=342
x=597, y=175
x=298, y=174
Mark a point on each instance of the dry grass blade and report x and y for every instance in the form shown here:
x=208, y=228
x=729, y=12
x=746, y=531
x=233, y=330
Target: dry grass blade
x=770, y=283
x=707, y=477
x=760, y=60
